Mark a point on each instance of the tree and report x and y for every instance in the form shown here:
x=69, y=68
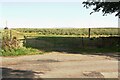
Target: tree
x=105, y=7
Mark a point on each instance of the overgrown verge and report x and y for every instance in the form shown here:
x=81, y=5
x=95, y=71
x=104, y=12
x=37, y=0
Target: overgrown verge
x=11, y=46
x=19, y=52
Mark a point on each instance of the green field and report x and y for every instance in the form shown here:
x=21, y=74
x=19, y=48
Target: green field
x=68, y=32
x=70, y=40
x=73, y=44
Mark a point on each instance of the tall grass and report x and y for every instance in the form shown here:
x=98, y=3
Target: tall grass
x=11, y=46
x=19, y=52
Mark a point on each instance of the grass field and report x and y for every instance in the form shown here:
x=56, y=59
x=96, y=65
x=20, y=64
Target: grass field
x=68, y=32
x=73, y=44
x=67, y=40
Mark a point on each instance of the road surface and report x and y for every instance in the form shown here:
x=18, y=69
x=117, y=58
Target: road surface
x=59, y=65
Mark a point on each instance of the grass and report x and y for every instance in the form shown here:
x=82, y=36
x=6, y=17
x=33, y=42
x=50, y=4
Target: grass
x=69, y=31
x=53, y=42
x=99, y=50
x=19, y=52
x=17, y=34
x=63, y=32
x=73, y=44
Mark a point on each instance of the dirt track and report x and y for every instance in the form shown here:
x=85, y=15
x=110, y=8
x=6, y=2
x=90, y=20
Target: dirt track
x=60, y=65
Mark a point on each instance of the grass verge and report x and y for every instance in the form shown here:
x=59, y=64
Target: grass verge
x=19, y=52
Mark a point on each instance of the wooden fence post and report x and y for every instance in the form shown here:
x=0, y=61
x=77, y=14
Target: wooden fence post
x=25, y=40
x=10, y=35
x=89, y=33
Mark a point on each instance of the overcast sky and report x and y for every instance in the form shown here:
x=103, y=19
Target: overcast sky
x=51, y=14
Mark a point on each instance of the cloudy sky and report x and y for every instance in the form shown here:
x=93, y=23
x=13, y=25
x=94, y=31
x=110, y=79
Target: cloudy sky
x=51, y=14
